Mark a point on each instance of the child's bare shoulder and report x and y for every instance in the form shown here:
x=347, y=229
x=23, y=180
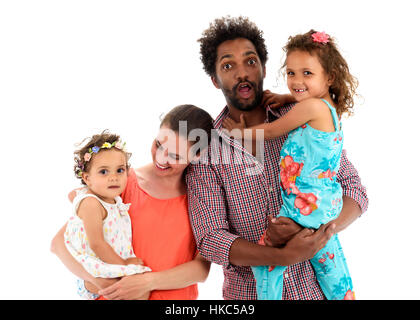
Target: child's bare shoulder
x=314, y=103
x=90, y=205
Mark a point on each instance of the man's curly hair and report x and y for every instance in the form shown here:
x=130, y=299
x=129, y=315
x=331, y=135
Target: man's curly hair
x=228, y=28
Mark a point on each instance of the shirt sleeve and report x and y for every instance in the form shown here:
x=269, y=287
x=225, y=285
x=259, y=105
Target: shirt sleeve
x=207, y=209
x=351, y=183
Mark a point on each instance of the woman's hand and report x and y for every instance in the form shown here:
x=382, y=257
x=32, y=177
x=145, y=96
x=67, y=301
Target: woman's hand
x=135, y=287
x=275, y=100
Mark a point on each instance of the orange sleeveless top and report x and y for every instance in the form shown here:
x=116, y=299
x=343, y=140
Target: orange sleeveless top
x=162, y=235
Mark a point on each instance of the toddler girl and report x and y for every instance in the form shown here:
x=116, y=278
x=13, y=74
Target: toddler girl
x=98, y=234
x=319, y=79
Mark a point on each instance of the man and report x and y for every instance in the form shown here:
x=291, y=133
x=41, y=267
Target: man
x=231, y=203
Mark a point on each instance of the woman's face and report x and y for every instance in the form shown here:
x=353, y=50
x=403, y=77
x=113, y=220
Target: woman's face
x=170, y=153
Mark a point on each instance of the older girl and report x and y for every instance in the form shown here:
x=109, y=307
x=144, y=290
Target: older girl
x=318, y=78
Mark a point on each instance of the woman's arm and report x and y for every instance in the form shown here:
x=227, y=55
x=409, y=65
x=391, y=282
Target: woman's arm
x=59, y=249
x=181, y=276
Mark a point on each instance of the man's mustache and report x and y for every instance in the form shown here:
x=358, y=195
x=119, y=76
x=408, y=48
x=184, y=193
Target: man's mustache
x=251, y=84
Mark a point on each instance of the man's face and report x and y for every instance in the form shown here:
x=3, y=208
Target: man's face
x=239, y=74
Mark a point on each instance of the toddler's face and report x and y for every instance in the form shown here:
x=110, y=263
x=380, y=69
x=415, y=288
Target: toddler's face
x=306, y=77
x=107, y=176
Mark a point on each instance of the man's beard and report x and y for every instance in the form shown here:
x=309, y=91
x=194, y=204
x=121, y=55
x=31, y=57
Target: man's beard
x=233, y=99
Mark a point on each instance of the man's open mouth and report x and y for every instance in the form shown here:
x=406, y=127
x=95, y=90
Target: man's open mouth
x=244, y=90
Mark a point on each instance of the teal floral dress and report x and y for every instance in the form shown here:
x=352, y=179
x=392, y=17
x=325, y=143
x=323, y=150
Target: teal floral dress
x=311, y=196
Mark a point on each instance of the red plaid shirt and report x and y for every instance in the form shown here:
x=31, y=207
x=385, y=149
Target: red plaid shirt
x=227, y=202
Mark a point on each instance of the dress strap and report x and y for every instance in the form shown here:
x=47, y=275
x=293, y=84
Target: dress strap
x=337, y=123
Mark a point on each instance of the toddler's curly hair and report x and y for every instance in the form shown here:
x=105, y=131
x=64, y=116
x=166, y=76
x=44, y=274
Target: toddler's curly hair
x=81, y=165
x=344, y=86
x=228, y=28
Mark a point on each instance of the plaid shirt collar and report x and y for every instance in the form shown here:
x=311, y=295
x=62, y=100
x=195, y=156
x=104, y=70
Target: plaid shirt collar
x=271, y=115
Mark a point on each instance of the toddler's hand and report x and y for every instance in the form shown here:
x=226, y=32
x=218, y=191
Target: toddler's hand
x=133, y=260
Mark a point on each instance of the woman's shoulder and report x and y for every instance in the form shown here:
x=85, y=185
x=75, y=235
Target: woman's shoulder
x=141, y=175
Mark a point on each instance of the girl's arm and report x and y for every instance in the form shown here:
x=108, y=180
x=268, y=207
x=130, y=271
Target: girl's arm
x=181, y=276
x=92, y=214
x=300, y=114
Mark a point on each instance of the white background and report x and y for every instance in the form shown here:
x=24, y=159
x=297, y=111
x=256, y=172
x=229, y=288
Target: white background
x=69, y=69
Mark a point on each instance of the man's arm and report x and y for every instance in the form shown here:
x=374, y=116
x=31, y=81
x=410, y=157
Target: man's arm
x=352, y=186
x=206, y=199
x=355, y=202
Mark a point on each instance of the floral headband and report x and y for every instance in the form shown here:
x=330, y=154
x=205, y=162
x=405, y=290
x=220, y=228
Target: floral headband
x=88, y=155
x=320, y=37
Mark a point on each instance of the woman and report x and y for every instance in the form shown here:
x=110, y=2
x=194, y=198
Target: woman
x=162, y=234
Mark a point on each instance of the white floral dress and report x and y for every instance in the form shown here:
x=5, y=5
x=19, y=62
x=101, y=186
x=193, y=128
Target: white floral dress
x=117, y=233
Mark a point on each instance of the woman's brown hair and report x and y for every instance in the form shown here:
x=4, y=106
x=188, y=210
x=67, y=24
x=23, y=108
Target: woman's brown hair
x=193, y=118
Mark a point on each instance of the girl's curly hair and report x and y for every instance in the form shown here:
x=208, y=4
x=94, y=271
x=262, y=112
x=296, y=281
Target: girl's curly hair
x=344, y=84
x=228, y=28
x=81, y=165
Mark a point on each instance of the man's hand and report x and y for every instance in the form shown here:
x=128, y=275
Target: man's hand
x=275, y=100
x=306, y=243
x=280, y=230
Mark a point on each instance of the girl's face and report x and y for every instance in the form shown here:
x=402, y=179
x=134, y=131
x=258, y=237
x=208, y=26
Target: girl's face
x=107, y=176
x=306, y=77
x=170, y=153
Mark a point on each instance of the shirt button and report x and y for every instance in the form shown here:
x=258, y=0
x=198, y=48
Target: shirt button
x=286, y=275
x=271, y=189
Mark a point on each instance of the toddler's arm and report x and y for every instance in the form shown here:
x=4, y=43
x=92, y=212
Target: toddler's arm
x=92, y=214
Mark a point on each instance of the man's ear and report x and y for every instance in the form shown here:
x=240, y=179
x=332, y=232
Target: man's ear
x=215, y=83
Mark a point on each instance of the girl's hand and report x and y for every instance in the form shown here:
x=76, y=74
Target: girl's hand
x=134, y=260
x=230, y=124
x=275, y=100
x=135, y=287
